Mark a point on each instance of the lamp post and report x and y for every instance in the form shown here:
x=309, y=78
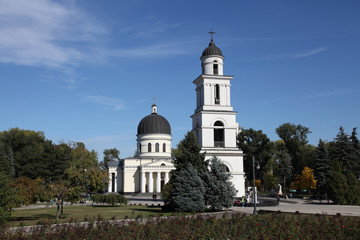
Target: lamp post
x=86, y=185
x=254, y=187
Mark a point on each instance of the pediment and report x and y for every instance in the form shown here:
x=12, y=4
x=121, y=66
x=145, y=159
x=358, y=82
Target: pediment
x=164, y=163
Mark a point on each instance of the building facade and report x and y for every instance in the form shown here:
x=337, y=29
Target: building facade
x=213, y=122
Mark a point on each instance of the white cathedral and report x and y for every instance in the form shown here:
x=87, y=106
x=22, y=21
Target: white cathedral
x=213, y=122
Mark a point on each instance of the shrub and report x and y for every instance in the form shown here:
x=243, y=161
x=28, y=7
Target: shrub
x=110, y=199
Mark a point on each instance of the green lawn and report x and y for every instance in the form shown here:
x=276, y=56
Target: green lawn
x=28, y=217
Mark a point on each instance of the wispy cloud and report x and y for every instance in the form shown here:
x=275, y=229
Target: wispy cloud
x=337, y=92
x=149, y=28
x=156, y=50
x=44, y=33
x=303, y=54
x=115, y=104
x=309, y=52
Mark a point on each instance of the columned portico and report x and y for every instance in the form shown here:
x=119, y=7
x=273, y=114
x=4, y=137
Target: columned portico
x=150, y=182
x=143, y=180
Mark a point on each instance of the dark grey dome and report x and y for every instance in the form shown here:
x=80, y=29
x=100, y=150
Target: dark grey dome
x=212, y=50
x=154, y=123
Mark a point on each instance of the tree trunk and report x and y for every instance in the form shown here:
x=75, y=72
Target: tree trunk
x=62, y=207
x=58, y=209
x=284, y=187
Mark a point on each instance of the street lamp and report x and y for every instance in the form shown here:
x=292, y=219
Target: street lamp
x=254, y=188
x=86, y=185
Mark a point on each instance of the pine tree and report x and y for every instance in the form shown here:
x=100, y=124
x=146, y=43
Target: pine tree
x=352, y=195
x=187, y=193
x=323, y=167
x=188, y=152
x=355, y=153
x=341, y=151
x=220, y=192
x=338, y=188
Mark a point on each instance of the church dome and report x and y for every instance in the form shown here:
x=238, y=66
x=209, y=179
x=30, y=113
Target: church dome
x=212, y=50
x=154, y=123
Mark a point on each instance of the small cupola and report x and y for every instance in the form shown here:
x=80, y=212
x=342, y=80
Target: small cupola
x=212, y=59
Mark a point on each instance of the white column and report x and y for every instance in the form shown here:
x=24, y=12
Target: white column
x=110, y=182
x=151, y=182
x=142, y=181
x=166, y=180
x=116, y=179
x=158, y=182
x=228, y=95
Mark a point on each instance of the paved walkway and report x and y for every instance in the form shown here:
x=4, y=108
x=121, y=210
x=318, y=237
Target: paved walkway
x=291, y=206
x=306, y=206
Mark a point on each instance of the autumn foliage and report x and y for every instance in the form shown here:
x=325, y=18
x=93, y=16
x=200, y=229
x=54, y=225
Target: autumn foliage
x=305, y=181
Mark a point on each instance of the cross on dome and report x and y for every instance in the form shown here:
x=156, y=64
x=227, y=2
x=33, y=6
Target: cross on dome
x=212, y=33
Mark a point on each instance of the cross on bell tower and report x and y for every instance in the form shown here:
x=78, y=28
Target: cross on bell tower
x=212, y=33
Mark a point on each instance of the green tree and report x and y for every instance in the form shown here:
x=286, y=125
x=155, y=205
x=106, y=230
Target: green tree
x=355, y=153
x=187, y=193
x=295, y=138
x=323, y=167
x=284, y=167
x=338, y=187
x=341, y=151
x=111, y=154
x=8, y=197
x=188, y=152
x=31, y=191
x=220, y=192
x=352, y=195
x=257, y=144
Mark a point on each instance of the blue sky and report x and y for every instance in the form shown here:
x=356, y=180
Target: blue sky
x=86, y=70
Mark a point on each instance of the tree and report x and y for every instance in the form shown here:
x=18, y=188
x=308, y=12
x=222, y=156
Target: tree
x=294, y=137
x=257, y=144
x=7, y=197
x=355, y=153
x=111, y=154
x=220, y=192
x=187, y=193
x=284, y=168
x=31, y=191
x=323, y=167
x=60, y=190
x=341, y=151
x=188, y=152
x=306, y=180
x=352, y=195
x=338, y=187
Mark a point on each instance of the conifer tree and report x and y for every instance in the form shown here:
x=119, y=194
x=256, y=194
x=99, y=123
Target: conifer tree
x=187, y=193
x=341, y=151
x=323, y=167
x=188, y=152
x=220, y=192
x=355, y=153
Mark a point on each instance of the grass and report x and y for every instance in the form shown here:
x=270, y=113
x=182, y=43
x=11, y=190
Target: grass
x=29, y=217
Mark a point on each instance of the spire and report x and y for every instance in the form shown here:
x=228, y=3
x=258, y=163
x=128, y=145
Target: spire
x=212, y=33
x=154, y=107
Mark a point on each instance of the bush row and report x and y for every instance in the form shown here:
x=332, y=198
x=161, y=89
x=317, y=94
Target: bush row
x=109, y=199
x=267, y=226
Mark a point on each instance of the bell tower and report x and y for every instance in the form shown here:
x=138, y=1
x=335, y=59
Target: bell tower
x=214, y=120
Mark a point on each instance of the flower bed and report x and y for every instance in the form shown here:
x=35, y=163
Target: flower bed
x=267, y=226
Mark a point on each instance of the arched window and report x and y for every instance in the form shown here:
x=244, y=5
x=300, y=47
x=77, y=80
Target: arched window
x=149, y=147
x=157, y=147
x=217, y=94
x=216, y=68
x=164, y=147
x=218, y=134
x=139, y=148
